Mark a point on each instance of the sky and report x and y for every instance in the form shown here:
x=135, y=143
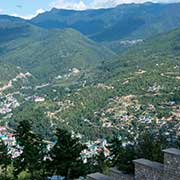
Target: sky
x=28, y=9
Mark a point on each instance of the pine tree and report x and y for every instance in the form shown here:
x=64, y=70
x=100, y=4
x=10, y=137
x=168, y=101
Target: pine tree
x=33, y=150
x=65, y=156
x=122, y=155
x=102, y=162
x=5, y=158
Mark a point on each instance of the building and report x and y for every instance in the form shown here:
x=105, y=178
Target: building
x=39, y=99
x=2, y=129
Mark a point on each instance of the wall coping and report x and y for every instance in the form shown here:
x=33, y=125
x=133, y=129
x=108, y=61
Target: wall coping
x=99, y=176
x=172, y=151
x=115, y=170
x=150, y=164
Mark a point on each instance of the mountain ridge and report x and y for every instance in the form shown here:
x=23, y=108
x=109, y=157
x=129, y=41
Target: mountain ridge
x=128, y=21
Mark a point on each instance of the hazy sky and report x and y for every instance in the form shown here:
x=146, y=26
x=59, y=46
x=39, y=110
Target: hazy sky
x=30, y=8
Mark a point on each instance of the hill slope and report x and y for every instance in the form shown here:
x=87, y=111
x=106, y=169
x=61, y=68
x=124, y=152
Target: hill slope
x=141, y=85
x=48, y=53
x=12, y=28
x=129, y=21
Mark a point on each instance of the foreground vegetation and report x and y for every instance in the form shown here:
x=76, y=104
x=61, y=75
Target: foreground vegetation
x=65, y=157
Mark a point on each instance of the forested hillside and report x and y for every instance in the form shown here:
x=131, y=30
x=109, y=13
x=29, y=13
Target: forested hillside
x=47, y=53
x=61, y=78
x=141, y=84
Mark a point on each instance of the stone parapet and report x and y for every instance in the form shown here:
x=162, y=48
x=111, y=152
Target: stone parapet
x=98, y=176
x=116, y=174
x=148, y=170
x=171, y=164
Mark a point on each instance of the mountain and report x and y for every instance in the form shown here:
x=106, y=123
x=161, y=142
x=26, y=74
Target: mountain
x=47, y=53
x=61, y=78
x=12, y=28
x=128, y=21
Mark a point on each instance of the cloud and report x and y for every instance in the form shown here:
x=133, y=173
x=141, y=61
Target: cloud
x=83, y=5
x=64, y=4
x=40, y=11
x=95, y=4
x=30, y=16
x=111, y=3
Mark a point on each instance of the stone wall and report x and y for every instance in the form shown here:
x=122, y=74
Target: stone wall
x=171, y=164
x=98, y=176
x=115, y=174
x=149, y=170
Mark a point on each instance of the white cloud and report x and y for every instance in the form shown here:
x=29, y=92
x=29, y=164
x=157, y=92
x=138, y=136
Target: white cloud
x=112, y=3
x=64, y=4
x=40, y=11
x=95, y=4
x=83, y=5
x=30, y=16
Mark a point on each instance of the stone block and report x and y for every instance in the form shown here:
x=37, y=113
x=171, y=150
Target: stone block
x=119, y=175
x=148, y=170
x=98, y=176
x=171, y=164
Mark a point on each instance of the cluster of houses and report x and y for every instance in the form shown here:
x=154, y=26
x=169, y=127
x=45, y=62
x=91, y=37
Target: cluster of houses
x=94, y=148
x=7, y=104
x=72, y=72
x=14, y=149
x=7, y=136
x=39, y=99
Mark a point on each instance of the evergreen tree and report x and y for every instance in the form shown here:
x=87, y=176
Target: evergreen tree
x=102, y=162
x=33, y=150
x=65, y=156
x=143, y=141
x=98, y=163
x=5, y=158
x=150, y=146
x=122, y=155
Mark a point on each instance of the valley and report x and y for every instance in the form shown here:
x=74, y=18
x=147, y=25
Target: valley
x=85, y=90
x=141, y=85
